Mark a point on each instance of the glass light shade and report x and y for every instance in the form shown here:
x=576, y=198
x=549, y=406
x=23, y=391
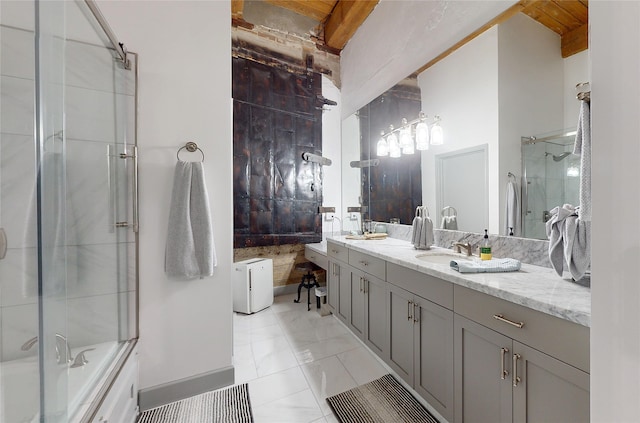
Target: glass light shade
x=405, y=135
x=437, y=137
x=408, y=149
x=394, y=146
x=422, y=136
x=382, y=149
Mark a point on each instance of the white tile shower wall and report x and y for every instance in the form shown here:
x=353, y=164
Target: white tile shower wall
x=16, y=52
x=17, y=105
x=17, y=182
x=93, y=278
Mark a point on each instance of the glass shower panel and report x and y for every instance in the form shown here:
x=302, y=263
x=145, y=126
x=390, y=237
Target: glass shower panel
x=67, y=164
x=99, y=102
x=550, y=179
x=19, y=368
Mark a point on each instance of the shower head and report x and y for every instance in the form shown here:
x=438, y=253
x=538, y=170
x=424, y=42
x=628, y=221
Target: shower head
x=558, y=158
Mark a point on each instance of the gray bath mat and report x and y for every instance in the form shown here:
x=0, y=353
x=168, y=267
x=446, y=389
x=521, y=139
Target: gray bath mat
x=383, y=400
x=230, y=405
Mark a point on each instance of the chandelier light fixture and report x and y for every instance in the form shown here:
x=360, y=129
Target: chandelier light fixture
x=410, y=136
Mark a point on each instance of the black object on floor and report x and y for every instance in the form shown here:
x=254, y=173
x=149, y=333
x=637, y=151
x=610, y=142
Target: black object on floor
x=308, y=281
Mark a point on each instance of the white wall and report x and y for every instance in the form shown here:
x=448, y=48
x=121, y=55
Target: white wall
x=531, y=79
x=350, y=176
x=331, y=149
x=576, y=70
x=615, y=291
x=463, y=90
x=405, y=36
x=185, y=94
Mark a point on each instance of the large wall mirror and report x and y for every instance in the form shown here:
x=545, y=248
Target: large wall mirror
x=495, y=96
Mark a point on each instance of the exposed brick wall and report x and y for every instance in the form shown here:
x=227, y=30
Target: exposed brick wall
x=285, y=258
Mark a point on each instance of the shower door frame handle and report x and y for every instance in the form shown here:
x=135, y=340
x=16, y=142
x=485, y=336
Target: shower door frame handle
x=113, y=223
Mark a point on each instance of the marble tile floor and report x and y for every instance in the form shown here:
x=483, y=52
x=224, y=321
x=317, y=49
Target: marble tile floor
x=293, y=359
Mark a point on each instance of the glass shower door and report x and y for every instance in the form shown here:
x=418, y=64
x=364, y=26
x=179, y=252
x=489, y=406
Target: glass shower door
x=67, y=170
x=100, y=153
x=19, y=367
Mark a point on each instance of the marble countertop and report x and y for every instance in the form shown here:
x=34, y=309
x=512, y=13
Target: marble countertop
x=536, y=287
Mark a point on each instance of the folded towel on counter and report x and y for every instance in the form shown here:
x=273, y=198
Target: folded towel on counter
x=449, y=222
x=486, y=266
x=190, y=251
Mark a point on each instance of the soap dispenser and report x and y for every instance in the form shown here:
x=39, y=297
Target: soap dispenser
x=485, y=248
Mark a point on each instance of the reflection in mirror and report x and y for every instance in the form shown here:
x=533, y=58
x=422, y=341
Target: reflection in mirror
x=390, y=187
x=461, y=183
x=550, y=178
x=509, y=82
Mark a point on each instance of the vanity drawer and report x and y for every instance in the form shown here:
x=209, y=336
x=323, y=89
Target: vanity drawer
x=426, y=286
x=316, y=258
x=337, y=252
x=372, y=265
x=565, y=340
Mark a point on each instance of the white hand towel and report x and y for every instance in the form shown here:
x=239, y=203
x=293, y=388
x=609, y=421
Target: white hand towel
x=512, y=212
x=555, y=234
x=416, y=227
x=577, y=246
x=426, y=234
x=190, y=251
x=569, y=241
x=487, y=266
x=582, y=147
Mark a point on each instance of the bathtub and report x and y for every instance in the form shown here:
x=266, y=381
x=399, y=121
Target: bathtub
x=20, y=384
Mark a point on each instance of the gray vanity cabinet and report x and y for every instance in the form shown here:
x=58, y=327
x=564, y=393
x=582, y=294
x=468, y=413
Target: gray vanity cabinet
x=482, y=360
x=499, y=378
x=549, y=390
x=338, y=294
x=421, y=347
x=369, y=310
x=368, y=300
x=333, y=285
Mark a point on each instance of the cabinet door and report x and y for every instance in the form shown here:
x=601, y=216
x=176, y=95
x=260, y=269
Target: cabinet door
x=333, y=285
x=376, y=315
x=401, y=332
x=344, y=293
x=356, y=322
x=433, y=377
x=482, y=391
x=549, y=390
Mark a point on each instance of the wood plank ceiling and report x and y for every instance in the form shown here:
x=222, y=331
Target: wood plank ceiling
x=339, y=19
x=569, y=19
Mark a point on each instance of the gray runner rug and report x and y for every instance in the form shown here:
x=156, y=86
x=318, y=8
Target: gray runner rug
x=230, y=405
x=383, y=400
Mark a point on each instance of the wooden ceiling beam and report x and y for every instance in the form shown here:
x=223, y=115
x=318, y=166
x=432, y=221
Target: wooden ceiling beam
x=516, y=8
x=346, y=18
x=237, y=7
x=575, y=41
x=315, y=9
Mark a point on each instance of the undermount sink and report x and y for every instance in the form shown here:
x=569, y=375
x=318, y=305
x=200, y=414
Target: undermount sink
x=441, y=257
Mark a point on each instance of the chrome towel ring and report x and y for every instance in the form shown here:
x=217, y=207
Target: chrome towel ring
x=191, y=147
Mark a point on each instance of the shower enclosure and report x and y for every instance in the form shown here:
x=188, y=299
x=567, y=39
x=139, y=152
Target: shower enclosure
x=68, y=214
x=550, y=178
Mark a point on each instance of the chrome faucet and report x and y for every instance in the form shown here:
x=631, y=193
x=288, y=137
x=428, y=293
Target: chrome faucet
x=59, y=340
x=458, y=245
